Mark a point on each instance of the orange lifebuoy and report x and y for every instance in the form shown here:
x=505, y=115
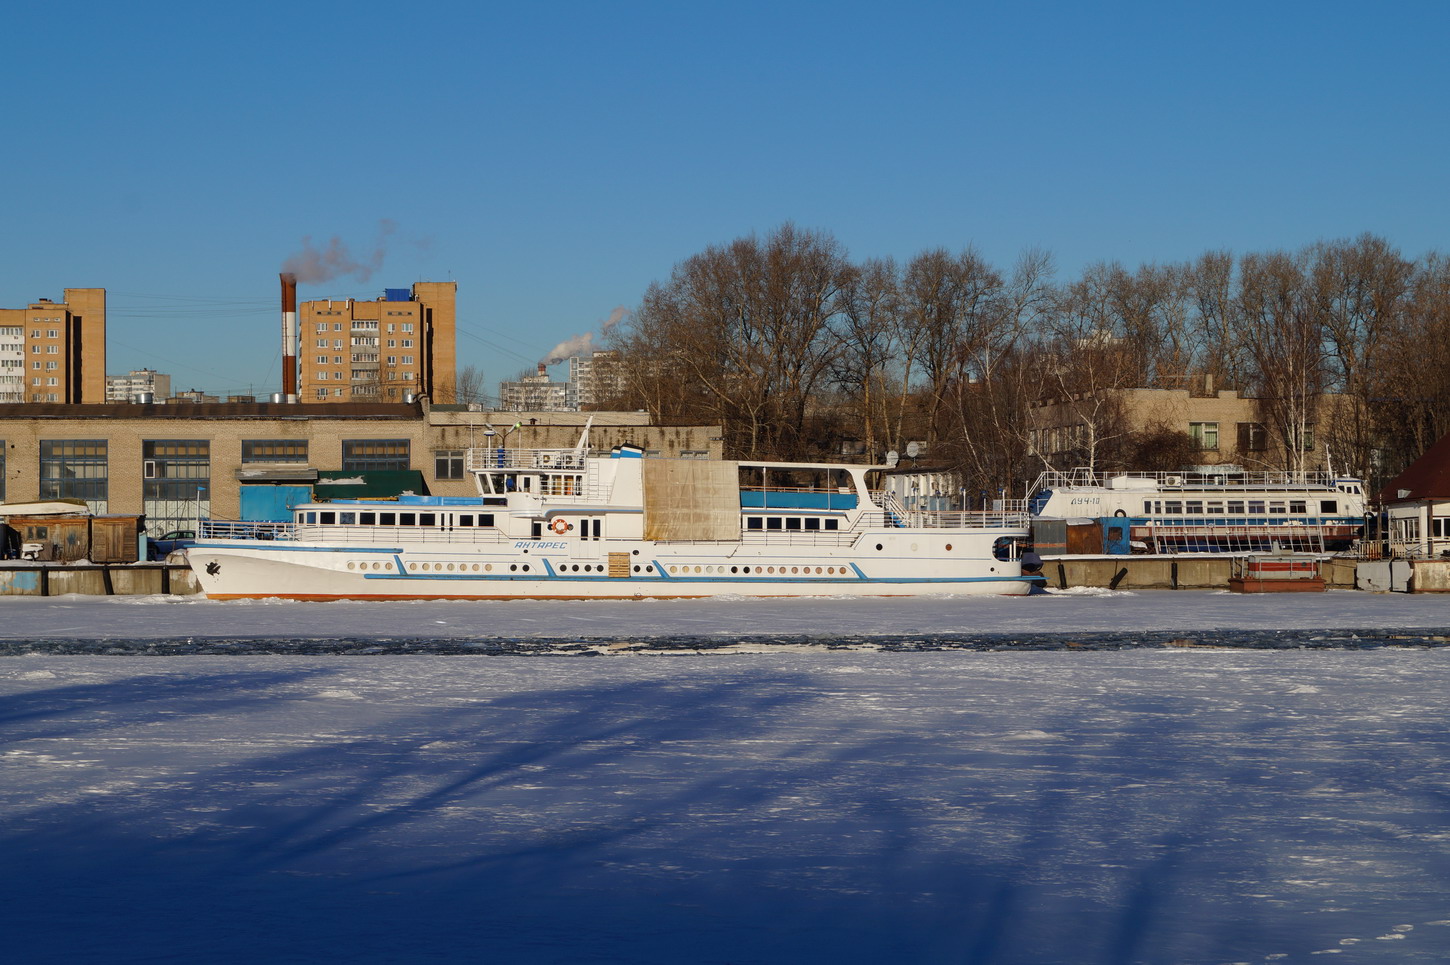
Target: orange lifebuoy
x=560, y=527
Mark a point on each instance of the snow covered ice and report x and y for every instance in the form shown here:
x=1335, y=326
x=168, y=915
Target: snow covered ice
x=746, y=801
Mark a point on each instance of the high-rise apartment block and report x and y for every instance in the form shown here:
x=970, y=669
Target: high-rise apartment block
x=138, y=385
x=379, y=351
x=534, y=393
x=55, y=351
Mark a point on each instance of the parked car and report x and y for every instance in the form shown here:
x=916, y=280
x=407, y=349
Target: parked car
x=159, y=549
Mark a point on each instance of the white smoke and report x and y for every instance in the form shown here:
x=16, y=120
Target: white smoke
x=583, y=345
x=312, y=265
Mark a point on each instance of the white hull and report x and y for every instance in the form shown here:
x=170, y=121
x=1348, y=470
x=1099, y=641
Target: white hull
x=911, y=565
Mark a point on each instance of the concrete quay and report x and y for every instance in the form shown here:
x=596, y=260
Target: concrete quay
x=97, y=579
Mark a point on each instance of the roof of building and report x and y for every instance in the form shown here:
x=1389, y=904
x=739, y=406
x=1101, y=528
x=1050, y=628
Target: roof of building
x=210, y=410
x=1426, y=478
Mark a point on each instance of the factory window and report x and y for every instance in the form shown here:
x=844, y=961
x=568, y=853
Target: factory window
x=1252, y=437
x=274, y=450
x=74, y=469
x=1204, y=434
x=361, y=455
x=175, y=483
x=448, y=464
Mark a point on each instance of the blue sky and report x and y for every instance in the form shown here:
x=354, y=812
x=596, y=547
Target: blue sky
x=554, y=159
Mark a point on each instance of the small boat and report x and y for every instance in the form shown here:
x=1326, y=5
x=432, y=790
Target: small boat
x=578, y=524
x=1211, y=509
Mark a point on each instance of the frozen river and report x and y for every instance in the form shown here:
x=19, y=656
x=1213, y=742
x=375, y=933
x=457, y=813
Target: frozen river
x=726, y=782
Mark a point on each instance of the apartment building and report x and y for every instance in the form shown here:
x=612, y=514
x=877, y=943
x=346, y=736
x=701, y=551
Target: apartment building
x=138, y=385
x=535, y=393
x=55, y=352
x=594, y=380
x=400, y=345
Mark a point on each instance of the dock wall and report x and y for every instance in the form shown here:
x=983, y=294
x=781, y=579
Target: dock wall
x=98, y=579
x=1164, y=572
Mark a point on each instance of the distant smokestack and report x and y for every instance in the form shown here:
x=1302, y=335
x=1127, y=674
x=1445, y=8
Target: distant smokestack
x=289, y=336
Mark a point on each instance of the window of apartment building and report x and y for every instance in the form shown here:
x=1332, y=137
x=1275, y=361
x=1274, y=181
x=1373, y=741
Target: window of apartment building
x=51, y=366
x=322, y=360
x=175, y=483
x=337, y=326
x=274, y=450
x=51, y=381
x=74, y=469
x=337, y=343
x=407, y=343
x=448, y=464
x=322, y=393
x=338, y=391
x=322, y=326
x=322, y=376
x=392, y=360
x=322, y=343
x=1252, y=437
x=35, y=333
x=52, y=333
x=392, y=343
x=1204, y=434
x=35, y=350
x=407, y=360
x=362, y=455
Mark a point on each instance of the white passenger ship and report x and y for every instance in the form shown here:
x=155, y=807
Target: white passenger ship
x=575, y=524
x=1211, y=508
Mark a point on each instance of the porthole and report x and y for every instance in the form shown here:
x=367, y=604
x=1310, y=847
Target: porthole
x=879, y=547
x=914, y=547
x=818, y=571
x=734, y=569
x=388, y=567
x=795, y=569
x=488, y=567
x=636, y=567
x=949, y=547
x=674, y=569
x=351, y=565
x=526, y=567
x=513, y=567
x=697, y=569
x=450, y=567
x=649, y=569
x=412, y=567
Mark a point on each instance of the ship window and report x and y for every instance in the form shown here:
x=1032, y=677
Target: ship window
x=1173, y=506
x=833, y=524
x=813, y=523
x=793, y=523
x=1147, y=507
x=1298, y=506
x=312, y=517
x=347, y=519
x=1256, y=506
x=407, y=519
x=465, y=519
x=367, y=519
x=754, y=522
x=486, y=519
x=387, y=519
x=1276, y=507
x=1194, y=507
x=1215, y=507
x=773, y=522
x=1236, y=506
x=427, y=519
x=1328, y=506
x=327, y=518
